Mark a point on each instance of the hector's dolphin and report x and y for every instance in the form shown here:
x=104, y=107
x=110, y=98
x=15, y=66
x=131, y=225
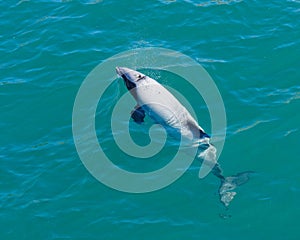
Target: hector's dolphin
x=156, y=101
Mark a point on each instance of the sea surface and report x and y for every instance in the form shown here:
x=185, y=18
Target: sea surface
x=251, y=50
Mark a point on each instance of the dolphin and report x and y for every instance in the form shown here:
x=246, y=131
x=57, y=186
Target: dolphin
x=157, y=102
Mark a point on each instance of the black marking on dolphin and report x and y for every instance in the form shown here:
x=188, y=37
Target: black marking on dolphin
x=203, y=134
x=130, y=85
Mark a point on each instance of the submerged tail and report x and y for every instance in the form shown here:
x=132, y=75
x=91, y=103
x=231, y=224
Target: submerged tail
x=228, y=184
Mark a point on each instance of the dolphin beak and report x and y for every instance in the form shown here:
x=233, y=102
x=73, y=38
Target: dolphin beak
x=119, y=71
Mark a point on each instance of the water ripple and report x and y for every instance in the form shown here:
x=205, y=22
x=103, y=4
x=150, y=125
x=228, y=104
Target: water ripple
x=267, y=97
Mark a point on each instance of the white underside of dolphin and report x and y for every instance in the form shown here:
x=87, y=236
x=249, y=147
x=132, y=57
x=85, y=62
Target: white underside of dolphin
x=156, y=101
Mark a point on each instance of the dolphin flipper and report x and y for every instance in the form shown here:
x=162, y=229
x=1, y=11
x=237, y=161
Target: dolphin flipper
x=138, y=114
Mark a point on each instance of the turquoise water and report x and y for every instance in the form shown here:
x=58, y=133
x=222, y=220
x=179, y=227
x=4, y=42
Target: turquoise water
x=250, y=48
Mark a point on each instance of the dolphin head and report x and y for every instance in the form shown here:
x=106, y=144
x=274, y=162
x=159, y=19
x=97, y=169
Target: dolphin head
x=130, y=77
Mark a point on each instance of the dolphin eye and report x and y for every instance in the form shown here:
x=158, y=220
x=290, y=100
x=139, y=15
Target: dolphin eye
x=139, y=76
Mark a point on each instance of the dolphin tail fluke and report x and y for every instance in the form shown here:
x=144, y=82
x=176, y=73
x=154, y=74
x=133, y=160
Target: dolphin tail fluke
x=229, y=184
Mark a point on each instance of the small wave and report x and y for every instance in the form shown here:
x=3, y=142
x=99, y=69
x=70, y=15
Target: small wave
x=247, y=127
x=211, y=60
x=216, y=2
x=287, y=133
x=266, y=97
x=198, y=3
x=11, y=81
